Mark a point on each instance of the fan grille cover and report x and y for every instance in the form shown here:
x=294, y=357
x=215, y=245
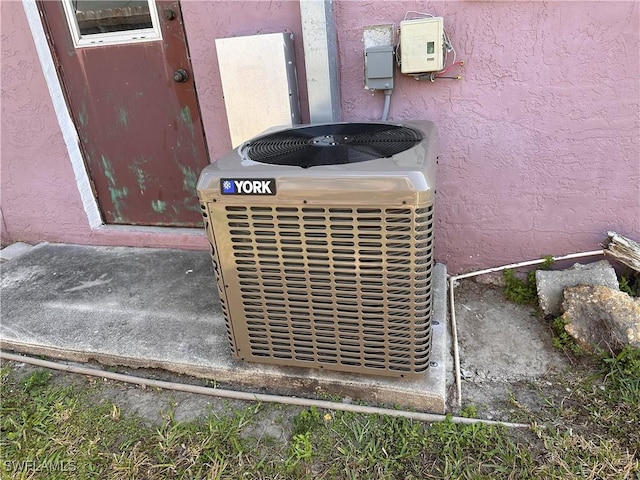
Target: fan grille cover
x=334, y=270
x=332, y=144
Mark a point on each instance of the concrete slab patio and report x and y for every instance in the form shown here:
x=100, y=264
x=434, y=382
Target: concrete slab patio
x=157, y=308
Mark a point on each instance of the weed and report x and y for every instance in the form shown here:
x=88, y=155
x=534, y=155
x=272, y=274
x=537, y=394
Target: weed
x=470, y=412
x=622, y=374
x=630, y=285
x=307, y=421
x=562, y=340
x=520, y=291
x=548, y=262
x=36, y=382
x=300, y=450
x=524, y=291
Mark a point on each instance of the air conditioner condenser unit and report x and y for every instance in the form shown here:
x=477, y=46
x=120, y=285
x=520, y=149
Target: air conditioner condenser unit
x=322, y=241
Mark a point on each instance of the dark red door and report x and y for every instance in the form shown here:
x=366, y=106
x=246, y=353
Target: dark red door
x=126, y=73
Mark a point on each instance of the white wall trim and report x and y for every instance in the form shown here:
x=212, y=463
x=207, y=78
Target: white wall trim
x=67, y=127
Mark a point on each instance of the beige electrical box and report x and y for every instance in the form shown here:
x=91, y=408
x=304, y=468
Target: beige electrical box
x=422, y=45
x=259, y=83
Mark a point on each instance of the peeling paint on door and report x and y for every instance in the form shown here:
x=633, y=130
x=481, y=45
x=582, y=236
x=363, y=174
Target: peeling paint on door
x=82, y=115
x=140, y=178
x=138, y=167
x=140, y=131
x=185, y=114
x=189, y=178
x=117, y=194
x=158, y=206
x=123, y=116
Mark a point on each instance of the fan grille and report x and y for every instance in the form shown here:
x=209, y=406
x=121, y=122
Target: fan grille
x=331, y=287
x=331, y=144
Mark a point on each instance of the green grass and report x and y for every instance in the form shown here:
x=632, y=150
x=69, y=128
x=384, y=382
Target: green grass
x=585, y=425
x=591, y=421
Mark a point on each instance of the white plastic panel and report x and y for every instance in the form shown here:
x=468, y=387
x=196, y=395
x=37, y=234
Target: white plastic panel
x=259, y=83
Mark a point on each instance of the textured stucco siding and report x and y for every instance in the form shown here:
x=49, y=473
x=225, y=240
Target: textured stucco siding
x=39, y=197
x=540, y=139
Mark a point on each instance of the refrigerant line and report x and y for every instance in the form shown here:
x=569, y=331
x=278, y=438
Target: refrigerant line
x=247, y=396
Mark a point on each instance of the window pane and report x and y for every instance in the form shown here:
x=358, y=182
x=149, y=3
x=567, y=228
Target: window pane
x=98, y=16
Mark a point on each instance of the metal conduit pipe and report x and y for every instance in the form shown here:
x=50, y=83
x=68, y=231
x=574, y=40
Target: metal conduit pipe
x=452, y=283
x=253, y=397
x=387, y=102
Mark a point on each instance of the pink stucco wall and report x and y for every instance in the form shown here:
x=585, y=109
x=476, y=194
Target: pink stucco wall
x=540, y=139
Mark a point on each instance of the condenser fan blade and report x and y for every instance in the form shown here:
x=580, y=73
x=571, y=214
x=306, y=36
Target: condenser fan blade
x=332, y=144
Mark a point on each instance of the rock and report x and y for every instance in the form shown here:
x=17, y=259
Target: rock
x=601, y=317
x=551, y=283
x=495, y=279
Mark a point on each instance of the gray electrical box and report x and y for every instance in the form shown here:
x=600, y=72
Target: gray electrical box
x=378, y=67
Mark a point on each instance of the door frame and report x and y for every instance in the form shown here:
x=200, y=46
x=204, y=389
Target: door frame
x=72, y=139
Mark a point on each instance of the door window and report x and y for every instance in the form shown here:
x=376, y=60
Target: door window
x=109, y=22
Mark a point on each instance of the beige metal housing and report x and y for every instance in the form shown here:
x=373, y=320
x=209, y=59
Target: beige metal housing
x=334, y=270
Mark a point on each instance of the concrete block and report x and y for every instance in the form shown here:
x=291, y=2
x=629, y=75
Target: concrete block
x=14, y=251
x=551, y=283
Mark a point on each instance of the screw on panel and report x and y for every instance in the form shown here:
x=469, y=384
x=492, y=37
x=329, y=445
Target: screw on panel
x=435, y=322
x=433, y=364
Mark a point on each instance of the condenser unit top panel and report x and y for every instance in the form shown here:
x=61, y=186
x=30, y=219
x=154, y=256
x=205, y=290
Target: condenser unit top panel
x=396, y=160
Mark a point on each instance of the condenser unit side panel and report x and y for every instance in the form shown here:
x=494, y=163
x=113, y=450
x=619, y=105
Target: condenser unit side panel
x=217, y=262
x=343, y=288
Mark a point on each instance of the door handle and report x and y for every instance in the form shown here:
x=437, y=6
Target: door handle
x=180, y=75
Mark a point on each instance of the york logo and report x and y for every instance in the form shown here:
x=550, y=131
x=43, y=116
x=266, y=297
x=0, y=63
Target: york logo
x=248, y=186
